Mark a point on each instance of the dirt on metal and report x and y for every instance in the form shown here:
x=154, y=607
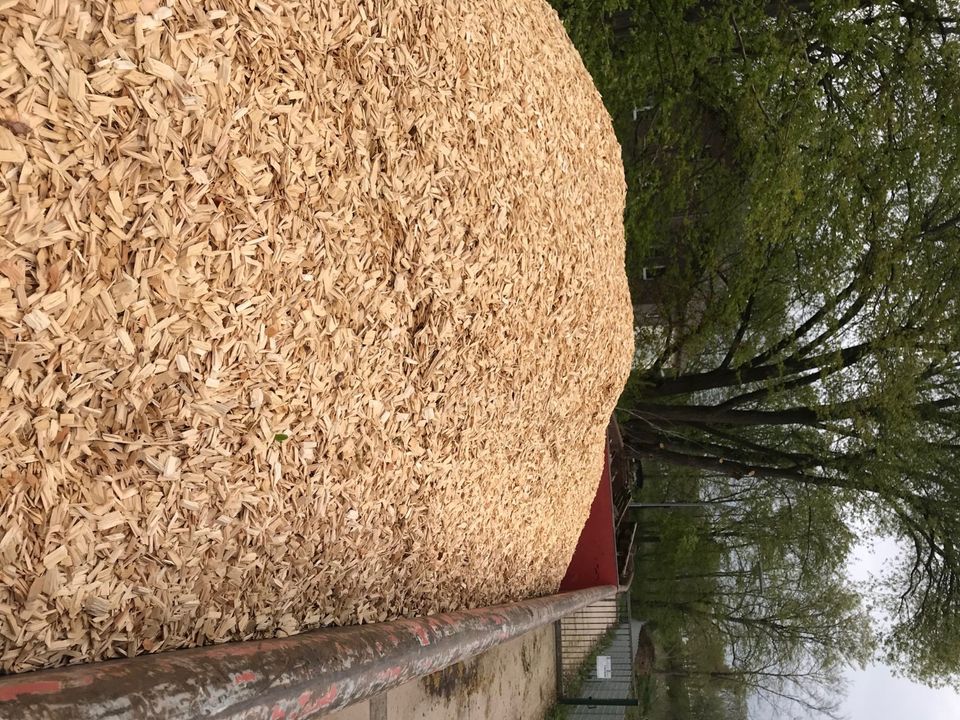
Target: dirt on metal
x=311, y=313
x=462, y=677
x=291, y=678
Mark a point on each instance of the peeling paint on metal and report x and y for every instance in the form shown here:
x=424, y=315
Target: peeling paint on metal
x=247, y=676
x=327, y=698
x=422, y=635
x=29, y=687
x=294, y=678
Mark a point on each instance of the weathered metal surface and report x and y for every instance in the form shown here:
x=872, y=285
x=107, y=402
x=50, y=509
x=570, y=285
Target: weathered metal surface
x=291, y=678
x=594, y=561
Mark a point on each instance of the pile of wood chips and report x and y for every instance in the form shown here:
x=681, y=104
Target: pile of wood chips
x=311, y=313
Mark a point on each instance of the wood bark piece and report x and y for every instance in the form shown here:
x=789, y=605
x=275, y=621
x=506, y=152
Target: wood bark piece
x=311, y=313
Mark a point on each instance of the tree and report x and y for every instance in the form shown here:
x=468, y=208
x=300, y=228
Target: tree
x=810, y=327
x=749, y=597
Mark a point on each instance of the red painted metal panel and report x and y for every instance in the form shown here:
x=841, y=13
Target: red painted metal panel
x=594, y=561
x=292, y=678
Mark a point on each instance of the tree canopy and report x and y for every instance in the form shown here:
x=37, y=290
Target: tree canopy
x=795, y=168
x=749, y=598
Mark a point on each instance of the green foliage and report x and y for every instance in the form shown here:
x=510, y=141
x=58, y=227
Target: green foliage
x=796, y=166
x=748, y=598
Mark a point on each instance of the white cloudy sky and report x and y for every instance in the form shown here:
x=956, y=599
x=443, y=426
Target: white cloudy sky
x=874, y=694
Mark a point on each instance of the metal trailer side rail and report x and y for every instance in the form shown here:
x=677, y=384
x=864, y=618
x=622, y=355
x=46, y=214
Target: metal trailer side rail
x=306, y=675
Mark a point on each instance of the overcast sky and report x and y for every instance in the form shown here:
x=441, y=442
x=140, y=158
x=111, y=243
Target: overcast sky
x=874, y=694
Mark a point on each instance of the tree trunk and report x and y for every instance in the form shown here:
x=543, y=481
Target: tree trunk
x=708, y=414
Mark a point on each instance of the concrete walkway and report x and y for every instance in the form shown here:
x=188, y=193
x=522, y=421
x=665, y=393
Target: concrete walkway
x=513, y=681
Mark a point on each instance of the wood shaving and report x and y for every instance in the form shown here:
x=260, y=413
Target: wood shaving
x=311, y=313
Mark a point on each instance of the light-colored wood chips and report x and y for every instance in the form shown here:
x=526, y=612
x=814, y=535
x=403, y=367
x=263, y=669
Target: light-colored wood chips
x=310, y=313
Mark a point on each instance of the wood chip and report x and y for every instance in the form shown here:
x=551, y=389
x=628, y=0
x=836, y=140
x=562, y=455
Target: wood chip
x=54, y=558
x=310, y=314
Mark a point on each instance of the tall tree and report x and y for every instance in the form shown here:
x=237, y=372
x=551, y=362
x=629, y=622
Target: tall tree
x=796, y=168
x=749, y=596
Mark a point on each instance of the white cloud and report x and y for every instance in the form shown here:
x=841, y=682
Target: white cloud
x=874, y=693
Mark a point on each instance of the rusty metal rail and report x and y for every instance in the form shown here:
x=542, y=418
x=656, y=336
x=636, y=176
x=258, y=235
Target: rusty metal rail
x=303, y=676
